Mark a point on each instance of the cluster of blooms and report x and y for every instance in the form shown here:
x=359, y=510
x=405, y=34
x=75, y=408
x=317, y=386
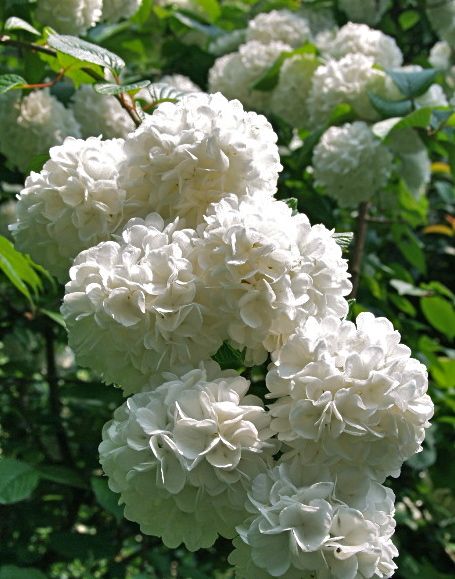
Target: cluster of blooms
x=33, y=124
x=179, y=246
x=77, y=16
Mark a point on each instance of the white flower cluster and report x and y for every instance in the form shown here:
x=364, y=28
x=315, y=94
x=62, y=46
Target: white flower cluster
x=351, y=164
x=33, y=124
x=360, y=38
x=99, y=114
x=183, y=248
x=279, y=25
x=183, y=455
x=77, y=16
x=73, y=203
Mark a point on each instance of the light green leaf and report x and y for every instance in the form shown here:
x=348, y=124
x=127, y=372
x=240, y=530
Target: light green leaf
x=210, y=9
x=18, y=480
x=114, y=89
x=85, y=51
x=412, y=83
x=440, y=313
x=15, y=23
x=106, y=498
x=55, y=317
x=11, y=81
x=408, y=19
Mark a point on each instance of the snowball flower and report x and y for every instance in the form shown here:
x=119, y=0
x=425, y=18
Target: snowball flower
x=360, y=38
x=347, y=80
x=180, y=82
x=299, y=528
x=33, y=124
x=192, y=153
x=268, y=270
x=73, y=203
x=115, y=10
x=99, y=114
x=441, y=55
x=183, y=455
x=70, y=16
x=234, y=74
x=368, y=11
x=290, y=95
x=279, y=25
x=350, y=395
x=132, y=307
x=351, y=164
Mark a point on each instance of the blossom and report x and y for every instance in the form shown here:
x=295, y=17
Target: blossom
x=73, y=203
x=347, y=80
x=441, y=55
x=368, y=11
x=115, y=10
x=289, y=97
x=268, y=270
x=299, y=527
x=33, y=124
x=279, y=25
x=361, y=39
x=180, y=82
x=192, y=153
x=351, y=164
x=183, y=455
x=350, y=395
x=133, y=306
x=99, y=114
x=234, y=74
x=71, y=16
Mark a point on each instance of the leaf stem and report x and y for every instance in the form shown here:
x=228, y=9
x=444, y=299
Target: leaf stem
x=359, y=246
x=127, y=105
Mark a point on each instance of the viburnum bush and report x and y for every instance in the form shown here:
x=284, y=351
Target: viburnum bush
x=216, y=204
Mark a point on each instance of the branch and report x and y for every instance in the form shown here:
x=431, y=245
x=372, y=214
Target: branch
x=33, y=47
x=359, y=245
x=54, y=398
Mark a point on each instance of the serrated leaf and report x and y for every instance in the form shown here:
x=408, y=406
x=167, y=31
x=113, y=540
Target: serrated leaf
x=15, y=23
x=106, y=498
x=412, y=83
x=114, y=89
x=11, y=81
x=18, y=480
x=85, y=51
x=389, y=109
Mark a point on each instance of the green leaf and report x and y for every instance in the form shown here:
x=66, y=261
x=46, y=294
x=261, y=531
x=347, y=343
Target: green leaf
x=412, y=83
x=106, y=498
x=229, y=358
x=414, y=254
x=421, y=118
x=62, y=475
x=344, y=239
x=13, y=572
x=408, y=19
x=85, y=51
x=407, y=289
x=210, y=9
x=18, y=480
x=390, y=108
x=37, y=162
x=54, y=316
x=15, y=23
x=11, y=81
x=114, y=89
x=293, y=203
x=19, y=269
x=269, y=79
x=440, y=313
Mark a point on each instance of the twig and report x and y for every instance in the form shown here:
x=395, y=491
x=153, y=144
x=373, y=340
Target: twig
x=54, y=398
x=359, y=245
x=128, y=106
